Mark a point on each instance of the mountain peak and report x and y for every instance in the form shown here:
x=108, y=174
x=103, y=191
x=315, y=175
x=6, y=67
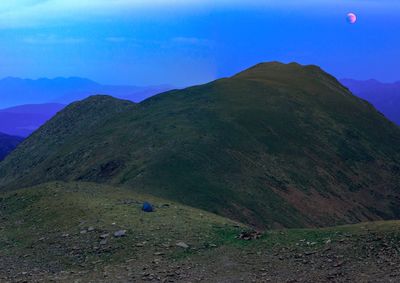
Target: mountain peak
x=309, y=78
x=275, y=68
x=99, y=103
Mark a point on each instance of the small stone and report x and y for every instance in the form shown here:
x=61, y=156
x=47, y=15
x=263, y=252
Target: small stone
x=338, y=264
x=250, y=235
x=182, y=245
x=104, y=236
x=310, y=253
x=83, y=232
x=90, y=229
x=120, y=233
x=103, y=242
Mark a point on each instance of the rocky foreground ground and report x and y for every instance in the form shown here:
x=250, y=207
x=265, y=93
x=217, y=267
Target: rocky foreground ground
x=88, y=233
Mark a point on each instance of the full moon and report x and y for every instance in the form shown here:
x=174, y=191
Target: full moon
x=351, y=18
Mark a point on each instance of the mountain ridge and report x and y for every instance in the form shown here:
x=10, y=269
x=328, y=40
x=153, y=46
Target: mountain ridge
x=17, y=91
x=301, y=151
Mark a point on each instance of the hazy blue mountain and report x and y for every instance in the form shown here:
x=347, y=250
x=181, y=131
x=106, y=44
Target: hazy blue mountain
x=384, y=96
x=23, y=120
x=16, y=91
x=39, y=100
x=52, y=108
x=8, y=144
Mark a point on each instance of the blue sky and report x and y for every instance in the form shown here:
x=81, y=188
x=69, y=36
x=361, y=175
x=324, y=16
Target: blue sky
x=185, y=42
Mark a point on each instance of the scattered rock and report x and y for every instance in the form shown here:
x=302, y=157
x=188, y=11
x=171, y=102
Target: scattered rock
x=90, y=229
x=338, y=264
x=182, y=245
x=250, y=235
x=128, y=201
x=83, y=232
x=120, y=233
x=103, y=242
x=104, y=236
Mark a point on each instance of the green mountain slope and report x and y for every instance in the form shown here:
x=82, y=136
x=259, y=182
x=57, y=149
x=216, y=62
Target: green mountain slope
x=276, y=145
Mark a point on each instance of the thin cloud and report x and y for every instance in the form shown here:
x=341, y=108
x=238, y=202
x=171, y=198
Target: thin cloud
x=117, y=39
x=192, y=41
x=52, y=39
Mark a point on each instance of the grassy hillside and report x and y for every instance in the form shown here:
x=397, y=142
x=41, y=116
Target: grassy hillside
x=276, y=145
x=7, y=144
x=56, y=232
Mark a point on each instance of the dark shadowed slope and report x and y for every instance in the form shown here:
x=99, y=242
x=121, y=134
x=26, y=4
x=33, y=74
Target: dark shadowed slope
x=24, y=119
x=276, y=145
x=384, y=96
x=8, y=144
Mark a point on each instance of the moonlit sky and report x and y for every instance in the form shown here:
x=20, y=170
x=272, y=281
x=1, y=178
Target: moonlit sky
x=185, y=42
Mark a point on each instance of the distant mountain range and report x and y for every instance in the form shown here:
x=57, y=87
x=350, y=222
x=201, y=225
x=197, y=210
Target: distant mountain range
x=8, y=144
x=384, y=96
x=277, y=145
x=16, y=91
x=39, y=100
x=23, y=120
